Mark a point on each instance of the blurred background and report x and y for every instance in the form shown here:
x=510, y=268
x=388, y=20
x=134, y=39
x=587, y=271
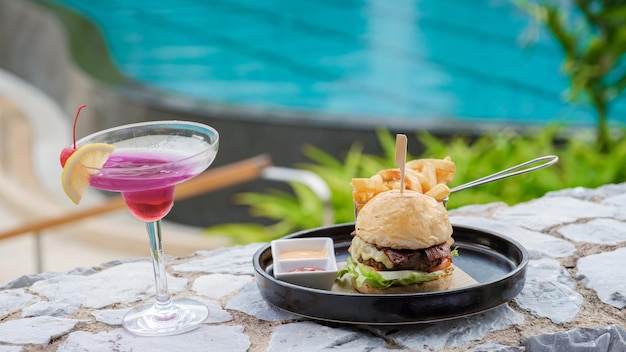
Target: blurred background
x=320, y=86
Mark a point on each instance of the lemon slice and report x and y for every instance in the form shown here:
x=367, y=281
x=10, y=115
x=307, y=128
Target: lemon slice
x=81, y=165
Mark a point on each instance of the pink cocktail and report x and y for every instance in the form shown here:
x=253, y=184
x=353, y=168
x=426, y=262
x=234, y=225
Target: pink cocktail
x=148, y=192
x=148, y=161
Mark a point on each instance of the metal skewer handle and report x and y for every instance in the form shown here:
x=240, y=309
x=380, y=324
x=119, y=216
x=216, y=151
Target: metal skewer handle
x=512, y=171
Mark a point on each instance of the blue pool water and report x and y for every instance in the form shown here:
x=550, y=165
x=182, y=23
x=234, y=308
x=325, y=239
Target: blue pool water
x=413, y=60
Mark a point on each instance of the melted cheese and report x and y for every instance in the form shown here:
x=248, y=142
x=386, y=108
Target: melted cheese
x=365, y=251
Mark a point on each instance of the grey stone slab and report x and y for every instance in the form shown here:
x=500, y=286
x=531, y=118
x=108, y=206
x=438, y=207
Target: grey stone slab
x=453, y=333
x=611, y=189
x=599, y=194
x=58, y=308
x=216, y=313
x=12, y=349
x=610, y=285
x=250, y=301
x=609, y=339
x=496, y=347
x=205, y=338
x=590, y=194
x=82, y=271
x=548, y=269
x=308, y=336
x=124, y=283
x=12, y=301
x=481, y=210
x=602, y=231
x=35, y=331
x=27, y=280
x=618, y=200
x=231, y=260
x=536, y=243
x=116, y=262
x=220, y=285
x=543, y=213
x=549, y=292
x=110, y=316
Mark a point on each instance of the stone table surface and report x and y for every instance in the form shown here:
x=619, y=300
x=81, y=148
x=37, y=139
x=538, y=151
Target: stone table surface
x=573, y=299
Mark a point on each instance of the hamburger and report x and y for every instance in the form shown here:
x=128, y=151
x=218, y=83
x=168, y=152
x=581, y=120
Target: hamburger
x=401, y=244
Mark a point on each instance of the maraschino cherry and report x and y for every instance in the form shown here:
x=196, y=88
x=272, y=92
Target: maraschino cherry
x=68, y=151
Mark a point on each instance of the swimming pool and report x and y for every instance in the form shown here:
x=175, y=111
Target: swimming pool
x=377, y=61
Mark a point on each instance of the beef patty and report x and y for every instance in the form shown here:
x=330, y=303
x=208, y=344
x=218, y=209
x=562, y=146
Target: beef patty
x=410, y=259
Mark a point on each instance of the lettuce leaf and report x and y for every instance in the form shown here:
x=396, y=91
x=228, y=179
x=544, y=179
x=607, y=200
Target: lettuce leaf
x=455, y=251
x=363, y=274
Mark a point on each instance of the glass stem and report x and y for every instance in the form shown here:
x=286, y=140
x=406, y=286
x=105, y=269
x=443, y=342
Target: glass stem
x=156, y=249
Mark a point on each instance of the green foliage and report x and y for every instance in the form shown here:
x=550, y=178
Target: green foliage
x=581, y=163
x=592, y=35
x=300, y=210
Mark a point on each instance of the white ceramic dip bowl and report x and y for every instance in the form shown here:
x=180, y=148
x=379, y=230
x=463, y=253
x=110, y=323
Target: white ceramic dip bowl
x=308, y=262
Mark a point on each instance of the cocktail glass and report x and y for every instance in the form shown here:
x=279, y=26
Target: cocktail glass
x=149, y=159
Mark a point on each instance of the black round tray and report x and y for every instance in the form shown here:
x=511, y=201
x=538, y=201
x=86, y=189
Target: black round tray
x=496, y=262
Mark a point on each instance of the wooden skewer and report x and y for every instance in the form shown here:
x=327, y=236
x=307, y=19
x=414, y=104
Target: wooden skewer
x=214, y=179
x=401, y=143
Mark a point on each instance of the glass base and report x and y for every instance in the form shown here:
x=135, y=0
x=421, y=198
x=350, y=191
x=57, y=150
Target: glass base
x=176, y=317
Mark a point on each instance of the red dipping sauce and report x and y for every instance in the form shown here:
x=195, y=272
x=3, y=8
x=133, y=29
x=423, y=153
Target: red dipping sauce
x=305, y=269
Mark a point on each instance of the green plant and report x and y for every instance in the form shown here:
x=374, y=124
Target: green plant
x=580, y=164
x=592, y=34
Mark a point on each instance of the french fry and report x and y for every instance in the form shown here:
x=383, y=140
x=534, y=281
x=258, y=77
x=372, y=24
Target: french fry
x=439, y=192
x=362, y=184
x=445, y=167
x=362, y=197
x=428, y=176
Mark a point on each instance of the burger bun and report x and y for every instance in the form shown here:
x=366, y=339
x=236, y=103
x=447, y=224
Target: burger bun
x=403, y=220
